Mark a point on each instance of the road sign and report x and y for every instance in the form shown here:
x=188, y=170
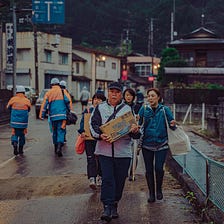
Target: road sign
x=48, y=11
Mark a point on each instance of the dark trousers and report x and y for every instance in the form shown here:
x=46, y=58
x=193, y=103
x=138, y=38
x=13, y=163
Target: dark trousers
x=18, y=136
x=93, y=167
x=114, y=174
x=150, y=156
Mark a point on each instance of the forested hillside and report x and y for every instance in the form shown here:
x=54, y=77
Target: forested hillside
x=105, y=23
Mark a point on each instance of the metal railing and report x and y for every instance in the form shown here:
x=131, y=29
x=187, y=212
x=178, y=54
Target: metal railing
x=207, y=173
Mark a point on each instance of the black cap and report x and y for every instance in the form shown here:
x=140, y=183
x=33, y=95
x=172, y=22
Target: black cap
x=115, y=85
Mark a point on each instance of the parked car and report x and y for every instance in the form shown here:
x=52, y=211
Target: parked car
x=39, y=101
x=32, y=96
x=27, y=90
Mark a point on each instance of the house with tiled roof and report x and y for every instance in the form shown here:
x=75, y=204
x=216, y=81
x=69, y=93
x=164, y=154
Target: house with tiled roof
x=203, y=51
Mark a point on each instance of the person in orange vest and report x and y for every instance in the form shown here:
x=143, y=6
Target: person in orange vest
x=63, y=86
x=19, y=106
x=56, y=104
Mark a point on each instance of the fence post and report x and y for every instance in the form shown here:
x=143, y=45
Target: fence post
x=188, y=111
x=203, y=117
x=207, y=179
x=174, y=111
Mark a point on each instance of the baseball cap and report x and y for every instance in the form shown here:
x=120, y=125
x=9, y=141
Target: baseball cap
x=115, y=85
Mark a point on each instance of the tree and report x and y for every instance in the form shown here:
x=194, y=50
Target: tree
x=170, y=58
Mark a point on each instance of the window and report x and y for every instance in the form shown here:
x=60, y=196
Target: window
x=23, y=55
x=77, y=68
x=101, y=63
x=142, y=69
x=63, y=58
x=201, y=59
x=48, y=56
x=114, y=65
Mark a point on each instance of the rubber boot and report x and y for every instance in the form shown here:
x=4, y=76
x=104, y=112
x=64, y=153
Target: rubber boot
x=151, y=186
x=21, y=149
x=15, y=148
x=56, y=148
x=106, y=213
x=114, y=213
x=159, y=182
x=59, y=151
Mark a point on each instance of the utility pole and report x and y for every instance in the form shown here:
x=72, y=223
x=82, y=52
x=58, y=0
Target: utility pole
x=172, y=25
x=14, y=49
x=36, y=58
x=127, y=40
x=150, y=38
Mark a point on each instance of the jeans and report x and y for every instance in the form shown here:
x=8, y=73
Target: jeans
x=114, y=174
x=149, y=157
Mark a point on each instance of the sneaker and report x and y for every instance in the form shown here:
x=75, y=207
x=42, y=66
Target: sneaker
x=92, y=183
x=99, y=181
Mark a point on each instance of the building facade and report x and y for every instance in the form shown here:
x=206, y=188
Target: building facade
x=93, y=69
x=50, y=57
x=141, y=70
x=203, y=51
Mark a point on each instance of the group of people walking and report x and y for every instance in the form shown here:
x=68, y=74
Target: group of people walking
x=109, y=161
x=115, y=159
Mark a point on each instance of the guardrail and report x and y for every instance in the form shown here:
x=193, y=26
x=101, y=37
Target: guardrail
x=207, y=173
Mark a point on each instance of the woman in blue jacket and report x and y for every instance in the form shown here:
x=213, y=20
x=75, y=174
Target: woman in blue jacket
x=154, y=144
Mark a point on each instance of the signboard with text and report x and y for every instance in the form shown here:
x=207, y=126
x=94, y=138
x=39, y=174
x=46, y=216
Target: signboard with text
x=48, y=11
x=9, y=46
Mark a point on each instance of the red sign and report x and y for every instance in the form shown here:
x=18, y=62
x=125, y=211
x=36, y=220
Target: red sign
x=151, y=78
x=124, y=75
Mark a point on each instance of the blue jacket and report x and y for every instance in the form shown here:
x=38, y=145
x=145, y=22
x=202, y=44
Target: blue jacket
x=81, y=127
x=55, y=103
x=20, y=107
x=154, y=127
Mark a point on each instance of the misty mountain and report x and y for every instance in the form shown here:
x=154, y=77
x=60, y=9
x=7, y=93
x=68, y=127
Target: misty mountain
x=106, y=23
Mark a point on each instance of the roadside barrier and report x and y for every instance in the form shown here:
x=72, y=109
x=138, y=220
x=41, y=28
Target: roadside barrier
x=207, y=173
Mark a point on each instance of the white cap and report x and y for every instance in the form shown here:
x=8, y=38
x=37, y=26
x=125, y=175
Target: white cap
x=63, y=83
x=20, y=89
x=54, y=81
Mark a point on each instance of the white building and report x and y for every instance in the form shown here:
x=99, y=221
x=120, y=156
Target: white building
x=54, y=56
x=93, y=69
x=53, y=59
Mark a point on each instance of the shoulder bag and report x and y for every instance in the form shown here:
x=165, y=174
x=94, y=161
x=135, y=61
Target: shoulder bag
x=71, y=115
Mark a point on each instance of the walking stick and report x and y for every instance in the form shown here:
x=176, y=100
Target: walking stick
x=135, y=159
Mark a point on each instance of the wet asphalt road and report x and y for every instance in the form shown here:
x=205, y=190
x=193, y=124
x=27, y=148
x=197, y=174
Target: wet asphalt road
x=82, y=205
